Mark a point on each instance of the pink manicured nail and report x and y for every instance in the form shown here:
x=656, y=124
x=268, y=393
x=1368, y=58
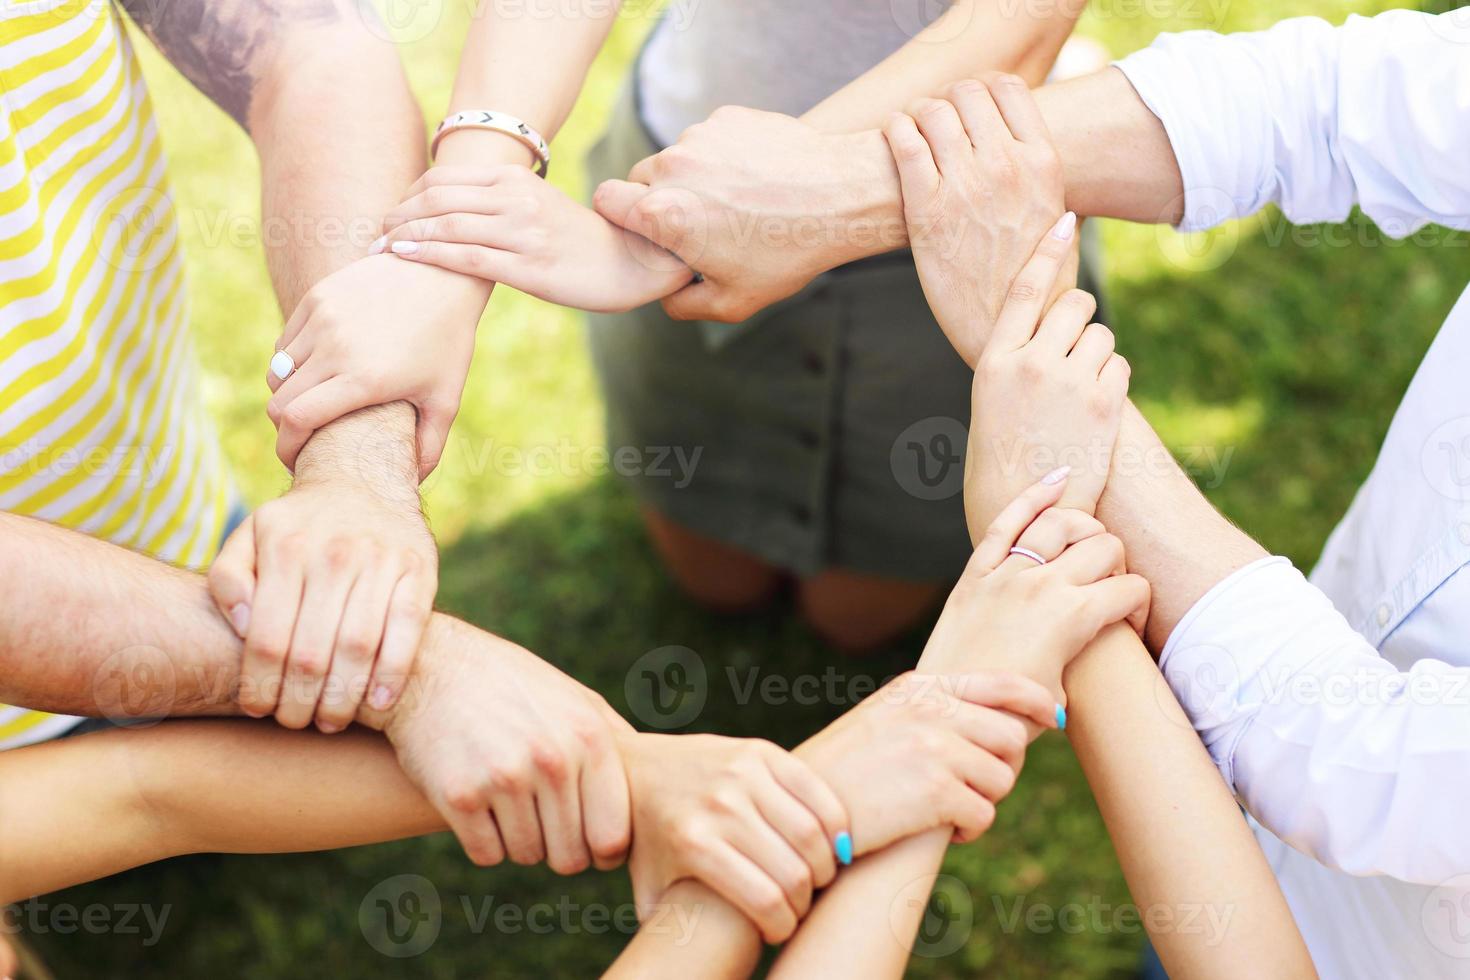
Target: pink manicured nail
x=382, y=698
x=378, y=245
x=404, y=248
x=1056, y=476
x=240, y=618
x=1065, y=226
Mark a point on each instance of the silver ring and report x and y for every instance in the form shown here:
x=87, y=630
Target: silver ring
x=1028, y=553
x=282, y=365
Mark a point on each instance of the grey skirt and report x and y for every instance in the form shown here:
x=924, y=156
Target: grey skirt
x=827, y=432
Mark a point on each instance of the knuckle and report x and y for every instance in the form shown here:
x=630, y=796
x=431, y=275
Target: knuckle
x=508, y=778
x=550, y=761
x=1023, y=290
x=463, y=796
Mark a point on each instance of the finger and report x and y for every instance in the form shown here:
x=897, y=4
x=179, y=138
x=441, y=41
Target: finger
x=986, y=773
x=1008, y=692
x=358, y=640
x=477, y=833
x=478, y=261
x=298, y=349
x=1032, y=288
x=700, y=301
x=1115, y=599
x=918, y=175
x=999, y=733
x=301, y=418
x=812, y=792
x=764, y=845
x=801, y=830
x=310, y=659
x=645, y=170
x=1012, y=96
x=297, y=320
x=462, y=176
x=439, y=200
x=970, y=812
x=436, y=418
x=491, y=230
x=606, y=809
x=300, y=382
x=232, y=577
x=1014, y=518
x=742, y=883
x=978, y=113
x=1115, y=373
x=617, y=200
x=1057, y=529
x=408, y=615
x=272, y=621
x=1091, y=560
x=560, y=813
x=1093, y=349
x=1063, y=324
x=520, y=830
x=945, y=134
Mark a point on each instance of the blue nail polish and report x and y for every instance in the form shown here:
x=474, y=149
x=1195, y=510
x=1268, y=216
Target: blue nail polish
x=843, y=845
x=1061, y=718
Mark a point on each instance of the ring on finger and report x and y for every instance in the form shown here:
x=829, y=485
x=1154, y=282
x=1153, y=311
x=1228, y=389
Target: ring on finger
x=1028, y=553
x=283, y=365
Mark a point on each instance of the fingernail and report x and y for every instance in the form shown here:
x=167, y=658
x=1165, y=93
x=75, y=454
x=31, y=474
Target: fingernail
x=382, y=697
x=843, y=846
x=1056, y=476
x=378, y=245
x=254, y=712
x=240, y=619
x=1061, y=718
x=332, y=728
x=1065, y=226
x=404, y=248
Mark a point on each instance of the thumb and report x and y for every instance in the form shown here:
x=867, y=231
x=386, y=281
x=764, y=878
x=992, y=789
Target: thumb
x=615, y=200
x=232, y=577
x=433, y=434
x=703, y=300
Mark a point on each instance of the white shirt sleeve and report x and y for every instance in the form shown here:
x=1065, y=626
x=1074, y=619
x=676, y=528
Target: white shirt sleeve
x=1362, y=766
x=1317, y=118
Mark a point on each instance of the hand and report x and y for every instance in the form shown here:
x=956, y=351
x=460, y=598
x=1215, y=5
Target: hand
x=506, y=225
x=518, y=758
x=929, y=751
x=759, y=203
x=1049, y=391
x=330, y=586
x=981, y=183
x=1010, y=613
x=744, y=816
x=375, y=332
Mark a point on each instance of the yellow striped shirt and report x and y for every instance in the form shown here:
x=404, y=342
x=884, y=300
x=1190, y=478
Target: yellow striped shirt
x=101, y=426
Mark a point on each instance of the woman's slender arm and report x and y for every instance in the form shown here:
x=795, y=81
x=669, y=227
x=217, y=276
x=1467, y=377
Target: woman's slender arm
x=186, y=787
x=970, y=37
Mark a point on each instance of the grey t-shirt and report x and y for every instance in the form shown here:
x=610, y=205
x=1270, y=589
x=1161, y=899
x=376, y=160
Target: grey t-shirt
x=780, y=55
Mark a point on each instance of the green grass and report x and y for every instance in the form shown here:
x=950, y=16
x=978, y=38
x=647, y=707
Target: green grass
x=1286, y=361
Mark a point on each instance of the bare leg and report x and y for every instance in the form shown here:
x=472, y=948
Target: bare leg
x=858, y=613
x=711, y=572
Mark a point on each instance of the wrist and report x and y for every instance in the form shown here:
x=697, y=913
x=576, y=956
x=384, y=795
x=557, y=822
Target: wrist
x=482, y=147
x=865, y=197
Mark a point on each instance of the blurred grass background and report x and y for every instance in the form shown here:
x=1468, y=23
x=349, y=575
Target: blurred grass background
x=1282, y=356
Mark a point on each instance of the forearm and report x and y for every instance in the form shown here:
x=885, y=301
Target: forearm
x=691, y=932
x=1185, y=849
x=970, y=37
x=93, y=629
x=103, y=803
x=1175, y=538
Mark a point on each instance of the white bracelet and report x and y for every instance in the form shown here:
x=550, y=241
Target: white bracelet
x=498, y=122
